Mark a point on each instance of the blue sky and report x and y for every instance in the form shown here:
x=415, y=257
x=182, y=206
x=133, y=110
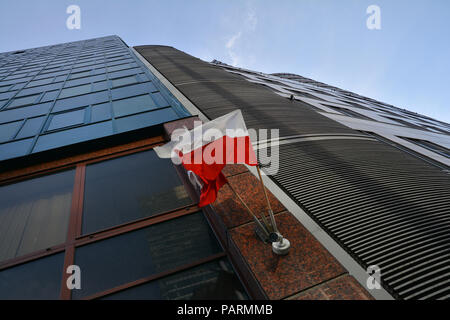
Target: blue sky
x=406, y=63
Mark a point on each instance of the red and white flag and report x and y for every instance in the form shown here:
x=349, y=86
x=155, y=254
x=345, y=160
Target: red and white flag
x=206, y=149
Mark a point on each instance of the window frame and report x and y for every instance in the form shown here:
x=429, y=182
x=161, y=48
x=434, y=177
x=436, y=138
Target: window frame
x=76, y=239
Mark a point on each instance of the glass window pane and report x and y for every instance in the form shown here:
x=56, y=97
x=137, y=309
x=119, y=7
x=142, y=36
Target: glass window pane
x=146, y=119
x=51, y=75
x=7, y=95
x=23, y=101
x=38, y=279
x=71, y=103
x=18, y=86
x=120, y=61
x=121, y=67
x=60, y=78
x=133, y=105
x=100, y=112
x=14, y=76
x=70, y=136
x=5, y=88
x=132, y=90
x=82, y=69
x=80, y=74
x=14, y=149
x=8, y=130
x=30, y=128
x=130, y=188
x=66, y=119
x=101, y=85
x=138, y=254
x=50, y=96
x=99, y=71
x=160, y=100
x=21, y=113
x=124, y=81
x=75, y=91
x=214, y=280
x=143, y=77
x=100, y=77
x=39, y=89
x=76, y=82
x=34, y=214
x=124, y=73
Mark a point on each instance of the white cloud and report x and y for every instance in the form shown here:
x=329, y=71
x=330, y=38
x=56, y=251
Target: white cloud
x=230, y=43
x=235, y=59
x=249, y=25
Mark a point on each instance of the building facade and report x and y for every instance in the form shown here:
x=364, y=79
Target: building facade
x=358, y=183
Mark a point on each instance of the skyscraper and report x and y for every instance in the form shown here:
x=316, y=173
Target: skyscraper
x=358, y=183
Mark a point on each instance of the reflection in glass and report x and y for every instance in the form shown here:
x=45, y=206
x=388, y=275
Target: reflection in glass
x=38, y=279
x=66, y=119
x=14, y=149
x=30, y=128
x=8, y=130
x=25, y=112
x=75, y=91
x=23, y=101
x=138, y=254
x=129, y=188
x=34, y=214
x=133, y=105
x=124, y=81
x=214, y=280
x=100, y=112
x=74, y=135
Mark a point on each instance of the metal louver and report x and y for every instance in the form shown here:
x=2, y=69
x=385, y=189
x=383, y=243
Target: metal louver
x=392, y=211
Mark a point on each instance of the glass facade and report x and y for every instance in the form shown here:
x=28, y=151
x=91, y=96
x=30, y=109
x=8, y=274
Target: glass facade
x=126, y=221
x=68, y=93
x=124, y=217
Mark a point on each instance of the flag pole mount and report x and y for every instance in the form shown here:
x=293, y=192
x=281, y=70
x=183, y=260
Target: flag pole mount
x=281, y=246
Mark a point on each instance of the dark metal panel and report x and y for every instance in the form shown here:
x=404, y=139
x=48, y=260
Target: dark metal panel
x=384, y=207
x=217, y=92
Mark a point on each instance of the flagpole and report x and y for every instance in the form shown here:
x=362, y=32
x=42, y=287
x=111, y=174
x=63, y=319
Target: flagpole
x=272, y=218
x=250, y=211
x=281, y=245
